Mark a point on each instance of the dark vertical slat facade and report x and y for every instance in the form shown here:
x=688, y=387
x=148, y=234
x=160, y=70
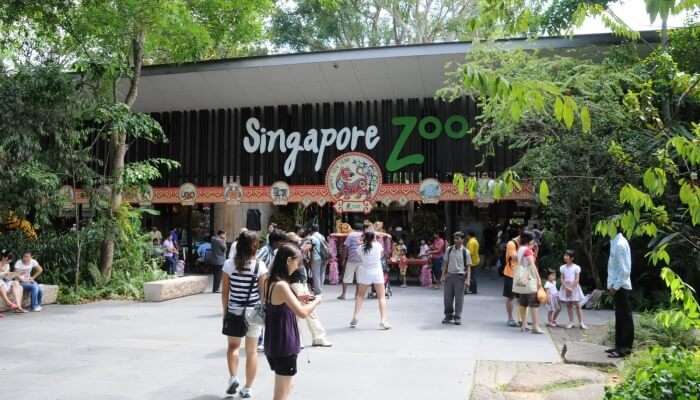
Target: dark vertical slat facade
x=209, y=143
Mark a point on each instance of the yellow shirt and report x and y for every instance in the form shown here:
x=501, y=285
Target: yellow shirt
x=473, y=247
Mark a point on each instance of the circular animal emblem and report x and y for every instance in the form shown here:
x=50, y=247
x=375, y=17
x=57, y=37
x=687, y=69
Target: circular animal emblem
x=353, y=178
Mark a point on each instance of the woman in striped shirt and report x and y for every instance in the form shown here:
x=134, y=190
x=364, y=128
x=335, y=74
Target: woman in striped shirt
x=242, y=279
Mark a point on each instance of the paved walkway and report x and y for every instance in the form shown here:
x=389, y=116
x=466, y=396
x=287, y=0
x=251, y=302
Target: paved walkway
x=174, y=350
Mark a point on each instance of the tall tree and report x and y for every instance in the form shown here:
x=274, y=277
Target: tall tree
x=331, y=24
x=661, y=201
x=108, y=42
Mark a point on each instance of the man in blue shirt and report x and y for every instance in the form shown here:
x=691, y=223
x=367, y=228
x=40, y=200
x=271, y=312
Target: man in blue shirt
x=620, y=287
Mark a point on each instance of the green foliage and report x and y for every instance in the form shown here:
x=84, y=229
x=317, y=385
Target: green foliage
x=685, y=48
x=660, y=374
x=651, y=331
x=516, y=93
x=312, y=25
x=687, y=314
x=425, y=223
x=40, y=115
x=284, y=220
x=123, y=285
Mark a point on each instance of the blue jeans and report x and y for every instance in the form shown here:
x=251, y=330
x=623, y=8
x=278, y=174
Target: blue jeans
x=437, y=269
x=35, y=292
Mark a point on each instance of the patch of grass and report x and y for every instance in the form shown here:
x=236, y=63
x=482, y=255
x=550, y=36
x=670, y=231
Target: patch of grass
x=564, y=385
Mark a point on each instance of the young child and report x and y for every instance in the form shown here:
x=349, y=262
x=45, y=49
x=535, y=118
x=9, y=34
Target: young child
x=571, y=293
x=403, y=266
x=424, y=251
x=553, y=306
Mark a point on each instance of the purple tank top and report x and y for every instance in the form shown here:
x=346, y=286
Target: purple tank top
x=281, y=329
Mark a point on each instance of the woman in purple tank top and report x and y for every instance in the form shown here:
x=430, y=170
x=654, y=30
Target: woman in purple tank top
x=282, y=306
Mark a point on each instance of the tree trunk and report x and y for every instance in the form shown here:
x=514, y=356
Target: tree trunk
x=118, y=149
x=666, y=104
x=588, y=249
x=76, y=211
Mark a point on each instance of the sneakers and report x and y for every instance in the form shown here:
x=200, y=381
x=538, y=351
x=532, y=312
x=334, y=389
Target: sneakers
x=512, y=323
x=570, y=326
x=404, y=285
x=353, y=323
x=323, y=342
x=458, y=321
x=583, y=326
x=261, y=348
x=385, y=326
x=447, y=320
x=36, y=309
x=233, y=385
x=246, y=393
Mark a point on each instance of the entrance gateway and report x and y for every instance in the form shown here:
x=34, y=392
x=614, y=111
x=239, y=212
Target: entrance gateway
x=262, y=133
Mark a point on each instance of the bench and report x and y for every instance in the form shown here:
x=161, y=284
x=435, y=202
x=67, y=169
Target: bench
x=49, y=297
x=168, y=289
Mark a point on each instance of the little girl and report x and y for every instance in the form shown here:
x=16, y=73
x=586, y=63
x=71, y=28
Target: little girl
x=403, y=266
x=424, y=249
x=571, y=293
x=553, y=307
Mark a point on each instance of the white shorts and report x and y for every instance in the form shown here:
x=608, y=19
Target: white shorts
x=350, y=271
x=370, y=276
x=5, y=286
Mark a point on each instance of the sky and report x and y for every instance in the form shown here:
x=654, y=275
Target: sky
x=634, y=13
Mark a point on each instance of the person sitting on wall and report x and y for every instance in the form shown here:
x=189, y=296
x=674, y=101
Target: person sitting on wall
x=8, y=285
x=24, y=268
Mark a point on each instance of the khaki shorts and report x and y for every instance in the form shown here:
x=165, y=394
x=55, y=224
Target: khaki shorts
x=350, y=271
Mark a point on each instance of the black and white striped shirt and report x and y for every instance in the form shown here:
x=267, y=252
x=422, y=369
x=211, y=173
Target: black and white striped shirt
x=240, y=282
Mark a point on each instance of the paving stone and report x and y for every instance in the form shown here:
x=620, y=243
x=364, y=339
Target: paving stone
x=585, y=392
x=481, y=392
x=523, y=396
x=583, y=353
x=539, y=378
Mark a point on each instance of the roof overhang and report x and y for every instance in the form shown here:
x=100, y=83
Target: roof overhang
x=397, y=72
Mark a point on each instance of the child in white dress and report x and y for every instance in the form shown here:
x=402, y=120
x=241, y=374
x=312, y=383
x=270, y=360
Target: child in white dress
x=571, y=293
x=553, y=306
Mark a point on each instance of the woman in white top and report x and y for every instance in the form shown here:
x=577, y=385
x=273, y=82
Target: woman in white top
x=7, y=284
x=526, y=282
x=242, y=279
x=370, y=274
x=24, y=268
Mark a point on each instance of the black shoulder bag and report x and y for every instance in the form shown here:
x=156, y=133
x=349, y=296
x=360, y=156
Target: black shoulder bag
x=237, y=325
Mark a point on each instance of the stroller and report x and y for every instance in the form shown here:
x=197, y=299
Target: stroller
x=387, y=283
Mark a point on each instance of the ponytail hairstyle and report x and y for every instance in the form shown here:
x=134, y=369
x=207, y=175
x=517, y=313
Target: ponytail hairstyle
x=367, y=240
x=279, y=270
x=246, y=247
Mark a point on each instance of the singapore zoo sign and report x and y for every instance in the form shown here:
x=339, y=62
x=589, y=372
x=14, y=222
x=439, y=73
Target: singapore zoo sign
x=261, y=140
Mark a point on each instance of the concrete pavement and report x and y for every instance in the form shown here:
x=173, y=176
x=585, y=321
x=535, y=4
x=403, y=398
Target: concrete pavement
x=174, y=350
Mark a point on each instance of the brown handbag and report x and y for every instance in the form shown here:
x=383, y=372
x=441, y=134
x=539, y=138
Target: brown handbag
x=541, y=296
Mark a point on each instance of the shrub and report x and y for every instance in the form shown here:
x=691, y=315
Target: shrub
x=649, y=332
x=123, y=285
x=660, y=374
